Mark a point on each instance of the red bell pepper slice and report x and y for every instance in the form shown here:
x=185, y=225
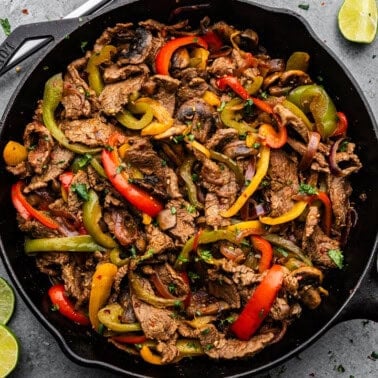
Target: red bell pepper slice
x=342, y=124
x=62, y=303
x=213, y=41
x=259, y=304
x=136, y=196
x=266, y=250
x=234, y=83
x=23, y=207
x=130, y=339
x=65, y=179
x=165, y=53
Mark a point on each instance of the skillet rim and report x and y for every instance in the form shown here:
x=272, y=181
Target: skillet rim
x=55, y=332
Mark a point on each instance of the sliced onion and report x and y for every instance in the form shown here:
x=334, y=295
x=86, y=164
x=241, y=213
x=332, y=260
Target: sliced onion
x=312, y=147
x=160, y=287
x=251, y=168
x=252, y=210
x=335, y=169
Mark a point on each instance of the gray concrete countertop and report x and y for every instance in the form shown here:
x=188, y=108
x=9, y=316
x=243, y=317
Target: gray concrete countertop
x=343, y=351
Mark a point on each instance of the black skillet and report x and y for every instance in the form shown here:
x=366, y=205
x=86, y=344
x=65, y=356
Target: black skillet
x=353, y=290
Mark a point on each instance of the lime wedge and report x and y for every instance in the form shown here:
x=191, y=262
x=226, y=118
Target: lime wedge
x=6, y=301
x=9, y=350
x=358, y=20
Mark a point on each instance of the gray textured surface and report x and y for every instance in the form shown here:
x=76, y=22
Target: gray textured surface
x=348, y=344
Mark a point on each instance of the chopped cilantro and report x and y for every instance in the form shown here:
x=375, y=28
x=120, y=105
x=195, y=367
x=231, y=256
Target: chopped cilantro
x=374, y=356
x=337, y=257
x=178, y=138
x=264, y=95
x=198, y=313
x=191, y=344
x=172, y=288
x=248, y=107
x=4, y=22
x=120, y=168
x=194, y=177
x=101, y=329
x=164, y=163
x=304, y=6
x=245, y=243
x=307, y=189
x=193, y=276
x=340, y=369
x=247, y=182
x=209, y=346
x=178, y=303
x=190, y=137
x=205, y=331
x=191, y=209
x=109, y=148
x=54, y=307
x=81, y=190
x=183, y=259
x=83, y=45
x=256, y=145
x=133, y=251
x=83, y=160
x=228, y=320
x=206, y=255
x=221, y=107
x=173, y=210
x=242, y=136
x=343, y=146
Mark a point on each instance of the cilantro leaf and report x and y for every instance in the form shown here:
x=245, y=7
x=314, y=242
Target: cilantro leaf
x=307, y=189
x=81, y=190
x=4, y=22
x=337, y=257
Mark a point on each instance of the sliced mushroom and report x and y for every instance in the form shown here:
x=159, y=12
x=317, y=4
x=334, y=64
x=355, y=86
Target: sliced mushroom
x=294, y=78
x=308, y=275
x=166, y=219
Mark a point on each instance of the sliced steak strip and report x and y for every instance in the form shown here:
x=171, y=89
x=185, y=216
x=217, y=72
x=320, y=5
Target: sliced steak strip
x=39, y=142
x=114, y=72
x=217, y=346
x=60, y=159
x=283, y=182
x=92, y=132
x=115, y=96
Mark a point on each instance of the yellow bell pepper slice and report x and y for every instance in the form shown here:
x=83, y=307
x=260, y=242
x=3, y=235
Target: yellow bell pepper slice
x=261, y=170
x=94, y=75
x=211, y=99
x=14, y=153
x=199, y=58
x=158, y=110
x=292, y=214
x=155, y=128
x=247, y=225
x=102, y=282
x=148, y=356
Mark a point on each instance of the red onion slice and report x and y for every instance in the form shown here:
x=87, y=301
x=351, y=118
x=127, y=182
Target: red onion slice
x=335, y=169
x=312, y=147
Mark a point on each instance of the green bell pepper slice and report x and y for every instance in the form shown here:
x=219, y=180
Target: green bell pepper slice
x=127, y=118
x=51, y=98
x=186, y=175
x=313, y=98
x=110, y=317
x=77, y=243
x=204, y=237
x=91, y=217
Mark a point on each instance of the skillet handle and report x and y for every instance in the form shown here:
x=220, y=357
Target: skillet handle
x=37, y=35
x=364, y=304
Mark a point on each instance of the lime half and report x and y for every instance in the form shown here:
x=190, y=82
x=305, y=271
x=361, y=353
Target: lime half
x=6, y=301
x=9, y=350
x=358, y=20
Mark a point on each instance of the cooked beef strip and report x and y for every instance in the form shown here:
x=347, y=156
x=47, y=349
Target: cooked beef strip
x=22, y=169
x=238, y=149
x=114, y=72
x=241, y=274
x=348, y=160
x=222, y=66
x=114, y=96
x=221, y=287
x=109, y=33
x=212, y=211
x=74, y=201
x=79, y=100
x=221, y=138
x=51, y=262
x=339, y=192
x=168, y=350
x=217, y=346
x=185, y=221
x=124, y=299
x=195, y=88
x=201, y=303
x=170, y=278
x=312, y=219
x=122, y=225
x=157, y=323
x=157, y=240
x=60, y=159
x=317, y=248
x=283, y=182
x=165, y=91
x=92, y=132
x=39, y=142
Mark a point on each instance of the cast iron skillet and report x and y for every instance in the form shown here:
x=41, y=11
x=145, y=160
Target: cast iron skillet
x=353, y=290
